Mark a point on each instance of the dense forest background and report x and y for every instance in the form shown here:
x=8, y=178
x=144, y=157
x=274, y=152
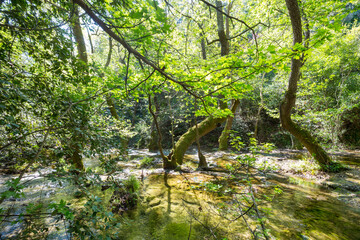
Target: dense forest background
x=82, y=79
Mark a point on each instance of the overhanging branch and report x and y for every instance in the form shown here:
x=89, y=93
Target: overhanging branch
x=131, y=50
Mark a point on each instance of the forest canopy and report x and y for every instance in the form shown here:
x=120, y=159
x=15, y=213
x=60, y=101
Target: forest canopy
x=61, y=59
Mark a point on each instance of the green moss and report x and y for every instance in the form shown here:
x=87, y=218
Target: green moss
x=189, y=137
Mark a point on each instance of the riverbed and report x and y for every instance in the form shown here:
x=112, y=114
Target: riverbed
x=193, y=204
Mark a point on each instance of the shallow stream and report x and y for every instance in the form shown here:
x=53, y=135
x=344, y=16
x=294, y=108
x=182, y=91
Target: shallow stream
x=183, y=205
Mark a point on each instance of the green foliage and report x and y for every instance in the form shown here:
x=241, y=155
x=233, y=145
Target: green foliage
x=52, y=104
x=94, y=221
x=335, y=167
x=236, y=141
x=15, y=189
x=96, y=214
x=147, y=162
x=132, y=184
x=247, y=202
x=330, y=85
x=62, y=209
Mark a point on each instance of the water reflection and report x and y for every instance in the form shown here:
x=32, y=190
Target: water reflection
x=306, y=209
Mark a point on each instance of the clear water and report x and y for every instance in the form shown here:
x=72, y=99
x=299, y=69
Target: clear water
x=172, y=207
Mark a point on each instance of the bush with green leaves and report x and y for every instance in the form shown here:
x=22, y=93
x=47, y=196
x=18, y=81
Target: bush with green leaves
x=147, y=162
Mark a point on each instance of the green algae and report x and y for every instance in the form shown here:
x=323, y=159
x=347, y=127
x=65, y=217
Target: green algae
x=305, y=210
x=176, y=206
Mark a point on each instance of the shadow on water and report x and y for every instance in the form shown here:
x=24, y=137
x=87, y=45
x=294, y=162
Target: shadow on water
x=308, y=211
x=166, y=175
x=161, y=214
x=305, y=210
x=173, y=206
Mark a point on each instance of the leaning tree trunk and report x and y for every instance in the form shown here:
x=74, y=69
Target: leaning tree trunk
x=290, y=97
x=188, y=138
x=223, y=139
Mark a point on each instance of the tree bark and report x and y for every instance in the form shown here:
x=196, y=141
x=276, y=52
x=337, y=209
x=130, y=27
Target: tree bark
x=202, y=159
x=79, y=37
x=221, y=30
x=77, y=138
x=258, y=116
x=111, y=105
x=227, y=22
x=224, y=42
x=188, y=138
x=203, y=46
x=109, y=99
x=290, y=97
x=223, y=139
x=168, y=162
x=154, y=134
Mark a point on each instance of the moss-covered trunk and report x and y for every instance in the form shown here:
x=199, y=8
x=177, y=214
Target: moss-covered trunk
x=111, y=105
x=290, y=97
x=188, y=138
x=223, y=139
x=309, y=142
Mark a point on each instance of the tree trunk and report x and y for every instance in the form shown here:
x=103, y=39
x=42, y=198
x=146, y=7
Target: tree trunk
x=109, y=99
x=221, y=30
x=290, y=97
x=110, y=102
x=203, y=47
x=168, y=162
x=258, y=116
x=172, y=123
x=111, y=105
x=189, y=137
x=154, y=135
x=77, y=138
x=223, y=139
x=153, y=145
x=202, y=159
x=79, y=37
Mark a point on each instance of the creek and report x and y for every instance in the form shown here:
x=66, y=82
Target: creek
x=185, y=205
